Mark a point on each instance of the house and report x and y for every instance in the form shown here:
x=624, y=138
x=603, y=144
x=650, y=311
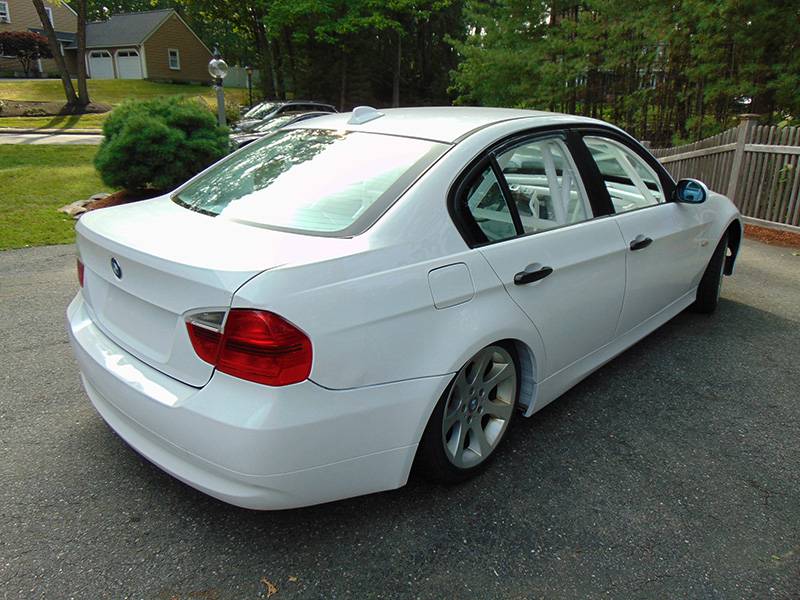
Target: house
x=20, y=15
x=155, y=44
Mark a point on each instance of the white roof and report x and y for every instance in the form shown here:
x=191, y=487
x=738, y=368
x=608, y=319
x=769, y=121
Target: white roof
x=443, y=123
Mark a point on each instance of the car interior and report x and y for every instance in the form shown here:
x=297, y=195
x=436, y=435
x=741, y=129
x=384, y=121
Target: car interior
x=547, y=190
x=544, y=186
x=629, y=181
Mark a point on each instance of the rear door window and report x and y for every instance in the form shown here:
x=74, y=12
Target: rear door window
x=531, y=187
x=487, y=205
x=544, y=185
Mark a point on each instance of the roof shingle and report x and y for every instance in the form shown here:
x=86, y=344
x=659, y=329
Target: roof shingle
x=127, y=29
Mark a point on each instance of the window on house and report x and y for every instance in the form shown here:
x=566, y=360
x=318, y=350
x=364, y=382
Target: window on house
x=5, y=16
x=50, y=15
x=174, y=59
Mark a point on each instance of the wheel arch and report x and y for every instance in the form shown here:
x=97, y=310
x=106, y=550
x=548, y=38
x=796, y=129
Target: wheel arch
x=734, y=233
x=528, y=372
x=529, y=369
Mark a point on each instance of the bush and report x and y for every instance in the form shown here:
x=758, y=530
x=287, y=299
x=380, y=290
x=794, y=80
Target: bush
x=26, y=46
x=158, y=144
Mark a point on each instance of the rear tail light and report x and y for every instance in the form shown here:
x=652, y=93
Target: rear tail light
x=80, y=272
x=255, y=345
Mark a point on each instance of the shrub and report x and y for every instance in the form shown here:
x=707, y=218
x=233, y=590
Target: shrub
x=26, y=46
x=158, y=144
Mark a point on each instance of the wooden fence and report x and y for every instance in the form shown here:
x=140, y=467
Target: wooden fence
x=758, y=167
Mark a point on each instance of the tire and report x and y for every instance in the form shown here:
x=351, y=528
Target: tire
x=711, y=284
x=471, y=418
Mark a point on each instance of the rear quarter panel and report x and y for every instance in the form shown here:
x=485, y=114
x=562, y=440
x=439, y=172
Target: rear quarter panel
x=371, y=315
x=370, y=326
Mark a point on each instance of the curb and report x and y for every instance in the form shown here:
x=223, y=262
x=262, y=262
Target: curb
x=20, y=130
x=770, y=224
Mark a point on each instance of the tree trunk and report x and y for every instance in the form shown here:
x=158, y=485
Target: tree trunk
x=343, y=88
x=287, y=42
x=264, y=61
x=274, y=61
x=396, y=80
x=69, y=90
x=83, y=90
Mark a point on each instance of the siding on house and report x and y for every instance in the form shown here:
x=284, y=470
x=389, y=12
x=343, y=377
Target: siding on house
x=194, y=56
x=24, y=17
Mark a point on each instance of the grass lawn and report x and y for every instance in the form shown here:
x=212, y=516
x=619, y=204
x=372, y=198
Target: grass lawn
x=92, y=121
x=35, y=181
x=108, y=91
x=105, y=91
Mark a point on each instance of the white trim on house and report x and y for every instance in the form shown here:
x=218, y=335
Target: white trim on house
x=144, y=61
x=49, y=12
x=68, y=7
x=177, y=57
x=109, y=55
x=117, y=67
x=7, y=11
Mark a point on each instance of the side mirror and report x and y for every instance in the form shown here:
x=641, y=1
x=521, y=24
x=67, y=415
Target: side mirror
x=691, y=191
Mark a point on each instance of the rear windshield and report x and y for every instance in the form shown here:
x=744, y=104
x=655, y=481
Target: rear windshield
x=311, y=180
x=274, y=123
x=259, y=110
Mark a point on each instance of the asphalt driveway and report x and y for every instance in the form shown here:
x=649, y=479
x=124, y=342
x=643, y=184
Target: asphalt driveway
x=673, y=472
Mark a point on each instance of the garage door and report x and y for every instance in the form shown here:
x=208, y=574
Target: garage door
x=100, y=65
x=128, y=64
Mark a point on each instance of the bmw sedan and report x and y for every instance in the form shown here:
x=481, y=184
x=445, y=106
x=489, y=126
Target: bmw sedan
x=359, y=294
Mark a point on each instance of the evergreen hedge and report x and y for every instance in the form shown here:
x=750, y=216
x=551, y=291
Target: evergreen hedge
x=159, y=144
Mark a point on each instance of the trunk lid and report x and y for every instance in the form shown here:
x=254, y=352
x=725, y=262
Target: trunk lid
x=174, y=261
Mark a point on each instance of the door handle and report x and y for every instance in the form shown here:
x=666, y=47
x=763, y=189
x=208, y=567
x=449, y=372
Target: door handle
x=532, y=273
x=640, y=242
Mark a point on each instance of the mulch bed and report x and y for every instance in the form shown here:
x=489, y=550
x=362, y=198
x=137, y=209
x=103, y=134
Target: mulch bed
x=16, y=108
x=121, y=197
x=774, y=237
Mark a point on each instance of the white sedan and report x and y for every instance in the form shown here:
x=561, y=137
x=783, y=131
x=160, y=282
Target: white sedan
x=364, y=293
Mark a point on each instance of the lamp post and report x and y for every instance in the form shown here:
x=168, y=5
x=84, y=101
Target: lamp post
x=249, y=70
x=218, y=69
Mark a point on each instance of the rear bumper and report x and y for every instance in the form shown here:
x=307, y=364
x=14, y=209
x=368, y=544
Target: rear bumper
x=251, y=445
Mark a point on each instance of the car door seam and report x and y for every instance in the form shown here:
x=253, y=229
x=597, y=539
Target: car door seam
x=511, y=297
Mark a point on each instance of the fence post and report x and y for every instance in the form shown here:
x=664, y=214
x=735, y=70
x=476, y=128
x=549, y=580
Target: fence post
x=746, y=123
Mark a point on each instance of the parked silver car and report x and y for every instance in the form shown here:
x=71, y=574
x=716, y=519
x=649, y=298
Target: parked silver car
x=269, y=109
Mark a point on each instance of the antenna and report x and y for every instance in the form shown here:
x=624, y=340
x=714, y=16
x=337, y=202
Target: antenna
x=363, y=114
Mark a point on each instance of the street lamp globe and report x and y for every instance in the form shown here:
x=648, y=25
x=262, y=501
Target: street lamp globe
x=217, y=67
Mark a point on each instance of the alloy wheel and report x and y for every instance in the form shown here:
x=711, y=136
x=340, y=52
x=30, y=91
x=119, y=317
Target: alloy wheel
x=479, y=406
